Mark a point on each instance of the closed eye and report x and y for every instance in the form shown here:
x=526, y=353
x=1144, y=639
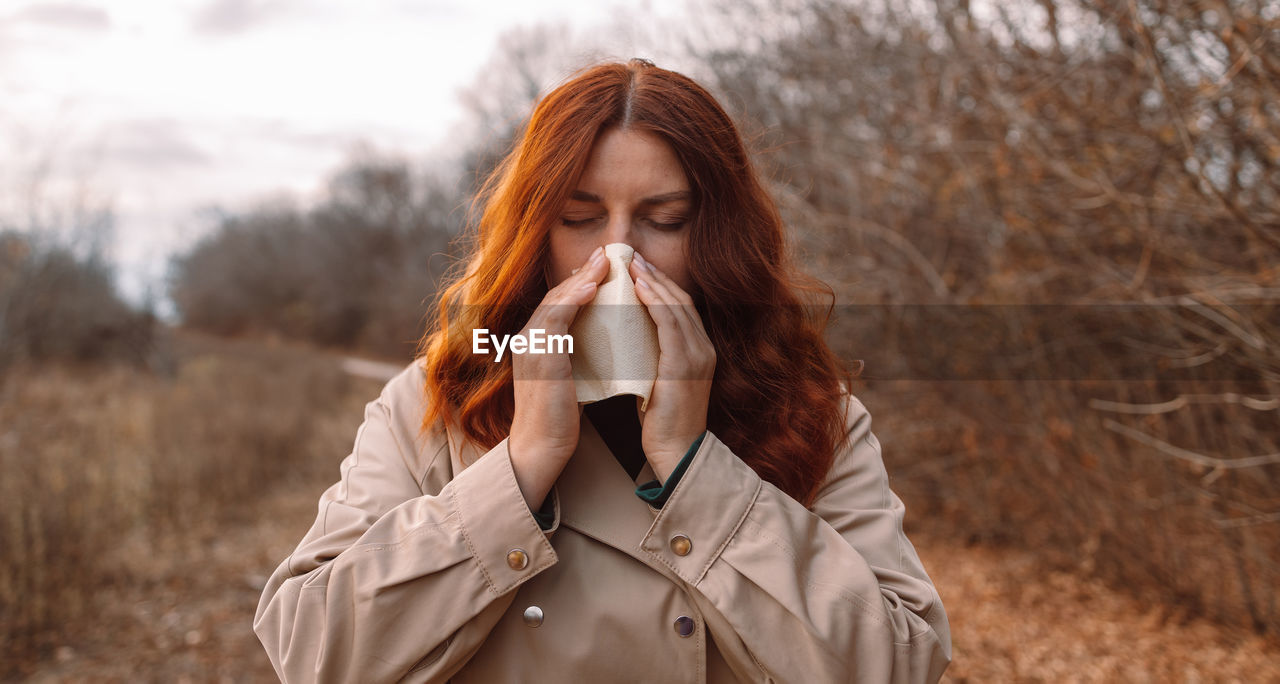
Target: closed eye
x=578, y=222
x=665, y=225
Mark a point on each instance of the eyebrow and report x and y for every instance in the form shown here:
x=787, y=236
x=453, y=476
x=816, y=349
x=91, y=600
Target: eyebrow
x=656, y=199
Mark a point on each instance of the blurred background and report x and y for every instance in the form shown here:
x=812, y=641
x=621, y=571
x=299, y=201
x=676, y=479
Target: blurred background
x=1051, y=227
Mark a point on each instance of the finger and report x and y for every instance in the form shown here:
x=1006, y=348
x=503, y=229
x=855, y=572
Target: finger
x=675, y=299
x=560, y=307
x=674, y=336
x=661, y=308
x=595, y=268
x=681, y=296
x=671, y=291
x=572, y=289
x=561, y=304
x=595, y=258
x=698, y=353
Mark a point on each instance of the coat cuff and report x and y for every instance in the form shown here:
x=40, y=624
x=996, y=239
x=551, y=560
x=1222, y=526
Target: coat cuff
x=656, y=493
x=703, y=512
x=500, y=531
x=548, y=516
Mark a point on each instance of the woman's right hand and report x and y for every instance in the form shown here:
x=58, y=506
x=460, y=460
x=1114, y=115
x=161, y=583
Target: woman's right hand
x=544, y=430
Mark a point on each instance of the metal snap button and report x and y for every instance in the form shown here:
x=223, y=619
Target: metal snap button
x=681, y=545
x=517, y=559
x=533, y=616
x=685, y=626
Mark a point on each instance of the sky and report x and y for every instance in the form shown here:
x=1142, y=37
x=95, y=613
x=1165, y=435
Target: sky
x=163, y=110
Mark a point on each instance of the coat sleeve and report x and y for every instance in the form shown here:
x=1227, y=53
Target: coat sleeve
x=391, y=582
x=832, y=593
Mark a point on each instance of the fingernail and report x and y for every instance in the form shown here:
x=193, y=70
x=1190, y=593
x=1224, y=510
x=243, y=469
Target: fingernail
x=574, y=271
x=598, y=252
x=644, y=264
x=588, y=286
x=642, y=283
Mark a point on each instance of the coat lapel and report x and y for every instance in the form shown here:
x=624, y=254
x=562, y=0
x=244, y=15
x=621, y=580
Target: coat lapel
x=598, y=499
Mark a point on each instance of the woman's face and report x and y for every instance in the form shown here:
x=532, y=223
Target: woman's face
x=633, y=191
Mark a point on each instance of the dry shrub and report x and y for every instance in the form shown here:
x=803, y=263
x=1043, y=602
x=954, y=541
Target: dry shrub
x=351, y=272
x=56, y=303
x=97, y=458
x=1014, y=157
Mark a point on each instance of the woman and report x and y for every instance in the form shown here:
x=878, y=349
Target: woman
x=740, y=528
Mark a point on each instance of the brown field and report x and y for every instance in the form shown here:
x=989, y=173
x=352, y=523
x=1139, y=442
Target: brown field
x=141, y=514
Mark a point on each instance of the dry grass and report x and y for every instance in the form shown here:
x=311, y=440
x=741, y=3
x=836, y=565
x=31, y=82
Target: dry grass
x=1030, y=465
x=117, y=481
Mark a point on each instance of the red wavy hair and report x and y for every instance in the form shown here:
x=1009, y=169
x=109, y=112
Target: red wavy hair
x=776, y=396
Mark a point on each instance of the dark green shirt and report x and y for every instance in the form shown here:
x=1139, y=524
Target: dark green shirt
x=616, y=421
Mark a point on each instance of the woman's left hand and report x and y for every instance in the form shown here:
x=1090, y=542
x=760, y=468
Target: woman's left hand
x=677, y=413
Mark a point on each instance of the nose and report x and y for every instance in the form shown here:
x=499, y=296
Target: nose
x=618, y=229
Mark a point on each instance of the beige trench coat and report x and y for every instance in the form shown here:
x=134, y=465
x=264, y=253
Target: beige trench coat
x=419, y=570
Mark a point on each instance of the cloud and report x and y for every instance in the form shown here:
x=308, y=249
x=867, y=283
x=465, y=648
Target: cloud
x=436, y=10
x=222, y=17
x=155, y=143
x=64, y=15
